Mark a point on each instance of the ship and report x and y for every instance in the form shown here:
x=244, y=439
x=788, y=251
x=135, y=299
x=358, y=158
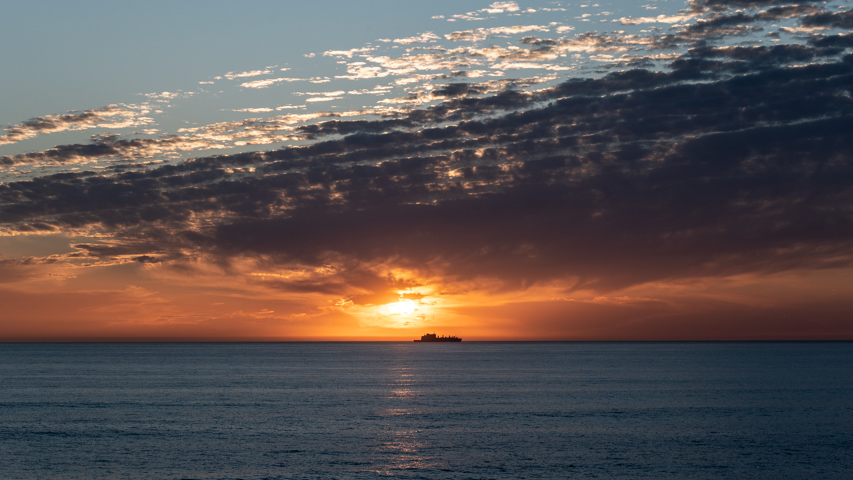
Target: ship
x=431, y=337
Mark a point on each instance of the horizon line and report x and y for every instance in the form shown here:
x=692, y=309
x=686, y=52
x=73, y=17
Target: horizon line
x=70, y=340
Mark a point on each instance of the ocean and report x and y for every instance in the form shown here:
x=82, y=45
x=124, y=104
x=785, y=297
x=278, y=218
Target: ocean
x=470, y=410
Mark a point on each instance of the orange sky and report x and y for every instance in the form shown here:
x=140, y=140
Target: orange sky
x=67, y=300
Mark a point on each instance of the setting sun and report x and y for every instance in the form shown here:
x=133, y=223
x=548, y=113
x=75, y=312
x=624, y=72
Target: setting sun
x=403, y=307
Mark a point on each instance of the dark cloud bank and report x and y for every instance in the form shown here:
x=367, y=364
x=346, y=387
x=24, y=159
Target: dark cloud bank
x=727, y=160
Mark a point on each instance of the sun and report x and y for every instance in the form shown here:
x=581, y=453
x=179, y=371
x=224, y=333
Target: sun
x=403, y=307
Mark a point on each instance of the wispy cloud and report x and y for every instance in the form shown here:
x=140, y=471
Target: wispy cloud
x=113, y=116
x=251, y=73
x=268, y=82
x=348, y=53
x=493, y=9
x=483, y=33
x=422, y=38
x=658, y=19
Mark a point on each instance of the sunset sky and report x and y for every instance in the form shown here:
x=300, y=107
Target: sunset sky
x=324, y=170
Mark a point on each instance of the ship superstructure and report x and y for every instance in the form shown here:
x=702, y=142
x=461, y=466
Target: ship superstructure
x=431, y=337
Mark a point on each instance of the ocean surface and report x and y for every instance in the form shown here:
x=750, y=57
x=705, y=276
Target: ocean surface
x=468, y=410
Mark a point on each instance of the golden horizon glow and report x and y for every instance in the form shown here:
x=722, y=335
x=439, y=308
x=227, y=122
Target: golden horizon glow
x=156, y=301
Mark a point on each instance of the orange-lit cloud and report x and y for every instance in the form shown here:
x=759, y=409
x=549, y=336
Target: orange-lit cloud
x=113, y=116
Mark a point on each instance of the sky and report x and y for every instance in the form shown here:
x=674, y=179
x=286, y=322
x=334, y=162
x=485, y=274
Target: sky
x=377, y=170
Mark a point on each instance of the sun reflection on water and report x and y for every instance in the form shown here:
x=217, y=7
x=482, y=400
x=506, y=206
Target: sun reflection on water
x=402, y=446
x=405, y=449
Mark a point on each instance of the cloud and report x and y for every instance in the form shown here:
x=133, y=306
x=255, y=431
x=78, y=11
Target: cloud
x=252, y=131
x=164, y=97
x=347, y=53
x=254, y=110
x=496, y=57
x=112, y=116
x=829, y=20
x=483, y=33
x=500, y=7
x=493, y=9
x=722, y=5
x=658, y=19
x=268, y=82
x=251, y=73
x=110, y=148
x=422, y=38
x=787, y=11
x=615, y=181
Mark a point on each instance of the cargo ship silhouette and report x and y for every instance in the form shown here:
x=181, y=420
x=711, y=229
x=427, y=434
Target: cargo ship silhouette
x=431, y=337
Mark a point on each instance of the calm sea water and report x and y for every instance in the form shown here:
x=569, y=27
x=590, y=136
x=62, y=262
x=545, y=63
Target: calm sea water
x=409, y=410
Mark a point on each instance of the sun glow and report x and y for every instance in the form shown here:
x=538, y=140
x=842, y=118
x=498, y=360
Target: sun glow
x=403, y=307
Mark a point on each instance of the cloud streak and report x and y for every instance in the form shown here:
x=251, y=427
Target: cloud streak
x=112, y=116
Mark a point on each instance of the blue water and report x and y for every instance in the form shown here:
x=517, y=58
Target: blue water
x=409, y=410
